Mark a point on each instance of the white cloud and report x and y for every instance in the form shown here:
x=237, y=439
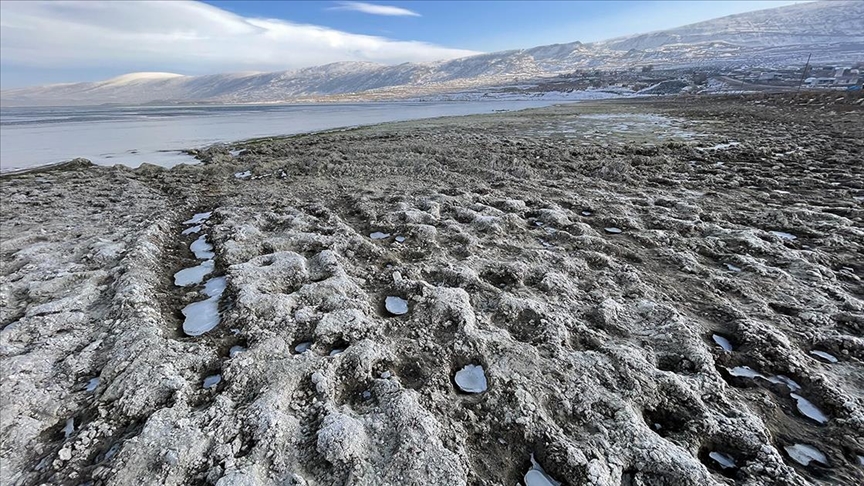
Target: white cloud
x=374, y=9
x=183, y=36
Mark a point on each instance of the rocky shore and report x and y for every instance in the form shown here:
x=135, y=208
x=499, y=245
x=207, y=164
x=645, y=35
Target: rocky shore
x=639, y=292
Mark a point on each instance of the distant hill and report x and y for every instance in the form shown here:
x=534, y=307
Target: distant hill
x=832, y=31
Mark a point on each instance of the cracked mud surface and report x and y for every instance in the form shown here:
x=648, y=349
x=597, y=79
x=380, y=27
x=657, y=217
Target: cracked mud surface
x=600, y=349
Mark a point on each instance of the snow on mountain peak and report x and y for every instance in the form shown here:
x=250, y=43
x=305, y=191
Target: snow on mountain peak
x=143, y=76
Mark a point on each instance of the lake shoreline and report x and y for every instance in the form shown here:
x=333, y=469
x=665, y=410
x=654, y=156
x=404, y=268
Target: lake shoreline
x=160, y=135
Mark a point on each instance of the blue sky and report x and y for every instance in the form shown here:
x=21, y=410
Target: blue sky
x=493, y=26
x=52, y=42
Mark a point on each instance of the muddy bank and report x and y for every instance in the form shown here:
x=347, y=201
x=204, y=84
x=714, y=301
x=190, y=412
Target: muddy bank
x=628, y=293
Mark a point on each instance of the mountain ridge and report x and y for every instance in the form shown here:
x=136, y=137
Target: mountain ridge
x=832, y=31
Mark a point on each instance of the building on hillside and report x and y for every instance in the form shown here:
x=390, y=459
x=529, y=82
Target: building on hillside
x=819, y=82
x=846, y=77
x=772, y=76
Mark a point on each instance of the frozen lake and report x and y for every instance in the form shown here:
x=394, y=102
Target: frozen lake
x=31, y=137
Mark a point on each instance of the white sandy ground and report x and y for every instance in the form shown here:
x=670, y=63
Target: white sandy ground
x=596, y=348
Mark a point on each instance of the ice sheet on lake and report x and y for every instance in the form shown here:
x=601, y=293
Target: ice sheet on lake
x=159, y=132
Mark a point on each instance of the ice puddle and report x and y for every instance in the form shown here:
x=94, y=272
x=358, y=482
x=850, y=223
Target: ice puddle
x=805, y=407
x=203, y=316
x=471, y=379
x=211, y=381
x=199, y=218
x=93, y=384
x=536, y=476
x=725, y=461
x=804, y=454
x=202, y=249
x=194, y=275
x=722, y=342
x=824, y=356
x=396, y=305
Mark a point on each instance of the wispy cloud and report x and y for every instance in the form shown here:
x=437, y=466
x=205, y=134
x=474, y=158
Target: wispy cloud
x=374, y=9
x=183, y=36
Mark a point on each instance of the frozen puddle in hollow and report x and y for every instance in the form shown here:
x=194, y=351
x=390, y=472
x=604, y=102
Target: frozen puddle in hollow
x=194, y=275
x=204, y=316
x=613, y=230
x=396, y=305
x=336, y=352
x=809, y=410
x=805, y=407
x=199, y=218
x=722, y=342
x=732, y=268
x=784, y=235
x=202, y=249
x=211, y=381
x=723, y=460
x=536, y=476
x=804, y=454
x=379, y=235
x=400, y=239
x=93, y=384
x=69, y=429
x=243, y=175
x=235, y=350
x=824, y=356
x=190, y=230
x=471, y=379
x=303, y=347
x=784, y=380
x=747, y=372
x=112, y=451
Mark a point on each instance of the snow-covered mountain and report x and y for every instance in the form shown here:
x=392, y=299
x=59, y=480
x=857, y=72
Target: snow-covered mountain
x=833, y=31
